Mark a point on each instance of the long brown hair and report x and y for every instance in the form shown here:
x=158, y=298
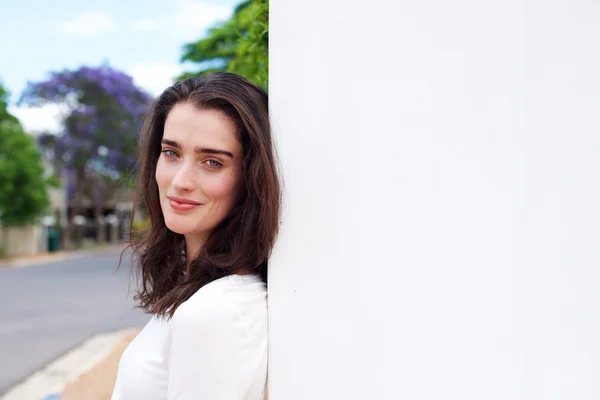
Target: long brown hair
x=244, y=239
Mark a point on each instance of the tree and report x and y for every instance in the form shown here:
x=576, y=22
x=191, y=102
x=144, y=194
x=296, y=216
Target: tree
x=4, y=114
x=239, y=45
x=23, y=184
x=97, y=146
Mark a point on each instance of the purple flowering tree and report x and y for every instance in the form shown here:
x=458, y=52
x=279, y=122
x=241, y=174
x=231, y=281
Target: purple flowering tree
x=96, y=149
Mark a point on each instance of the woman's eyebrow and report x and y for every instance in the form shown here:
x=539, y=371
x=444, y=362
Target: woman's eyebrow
x=213, y=151
x=199, y=149
x=170, y=143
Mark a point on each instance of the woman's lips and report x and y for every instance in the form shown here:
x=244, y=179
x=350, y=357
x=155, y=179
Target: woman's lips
x=182, y=204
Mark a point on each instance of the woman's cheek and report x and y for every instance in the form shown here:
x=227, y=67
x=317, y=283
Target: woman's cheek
x=164, y=178
x=160, y=173
x=222, y=186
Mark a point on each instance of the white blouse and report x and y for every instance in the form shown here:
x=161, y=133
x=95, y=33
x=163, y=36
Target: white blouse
x=214, y=347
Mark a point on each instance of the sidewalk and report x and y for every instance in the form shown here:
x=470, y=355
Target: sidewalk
x=98, y=382
x=87, y=372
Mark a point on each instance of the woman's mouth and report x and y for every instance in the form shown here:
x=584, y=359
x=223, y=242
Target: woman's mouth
x=179, y=204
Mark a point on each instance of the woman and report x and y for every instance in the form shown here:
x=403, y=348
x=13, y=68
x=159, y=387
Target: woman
x=209, y=184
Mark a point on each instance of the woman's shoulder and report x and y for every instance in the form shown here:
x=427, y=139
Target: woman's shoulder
x=232, y=297
x=224, y=324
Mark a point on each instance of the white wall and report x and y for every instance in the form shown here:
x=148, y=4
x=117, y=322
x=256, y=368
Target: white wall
x=441, y=235
x=16, y=241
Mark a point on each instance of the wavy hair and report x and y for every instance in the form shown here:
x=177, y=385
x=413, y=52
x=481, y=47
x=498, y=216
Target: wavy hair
x=244, y=239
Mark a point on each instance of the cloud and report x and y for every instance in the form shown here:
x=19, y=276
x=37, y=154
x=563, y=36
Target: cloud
x=89, y=24
x=193, y=17
x=36, y=120
x=145, y=25
x=155, y=77
x=187, y=20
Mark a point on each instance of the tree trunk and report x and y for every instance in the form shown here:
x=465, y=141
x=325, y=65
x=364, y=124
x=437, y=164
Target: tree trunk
x=77, y=231
x=99, y=216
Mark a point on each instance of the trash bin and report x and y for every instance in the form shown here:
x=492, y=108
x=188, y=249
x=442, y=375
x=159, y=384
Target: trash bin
x=53, y=240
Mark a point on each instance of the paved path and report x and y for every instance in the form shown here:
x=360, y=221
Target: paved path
x=46, y=310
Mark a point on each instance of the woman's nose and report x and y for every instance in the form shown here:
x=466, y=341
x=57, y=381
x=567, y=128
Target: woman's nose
x=184, y=179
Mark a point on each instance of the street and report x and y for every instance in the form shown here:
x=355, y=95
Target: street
x=49, y=309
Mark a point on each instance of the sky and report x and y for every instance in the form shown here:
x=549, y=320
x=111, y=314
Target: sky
x=141, y=38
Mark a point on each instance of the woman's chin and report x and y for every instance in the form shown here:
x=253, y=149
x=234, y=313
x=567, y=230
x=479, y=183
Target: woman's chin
x=180, y=228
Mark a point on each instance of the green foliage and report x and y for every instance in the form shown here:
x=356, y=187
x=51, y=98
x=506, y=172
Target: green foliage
x=4, y=115
x=140, y=225
x=239, y=45
x=23, y=187
x=53, y=181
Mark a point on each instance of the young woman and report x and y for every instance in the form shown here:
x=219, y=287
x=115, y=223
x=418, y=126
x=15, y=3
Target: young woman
x=209, y=184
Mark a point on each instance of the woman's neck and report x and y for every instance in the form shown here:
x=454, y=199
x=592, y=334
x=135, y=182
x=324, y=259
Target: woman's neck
x=193, y=245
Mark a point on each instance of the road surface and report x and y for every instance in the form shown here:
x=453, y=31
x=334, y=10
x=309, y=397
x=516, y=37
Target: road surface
x=46, y=310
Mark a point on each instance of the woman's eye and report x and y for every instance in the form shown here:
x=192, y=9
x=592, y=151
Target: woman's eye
x=169, y=153
x=213, y=163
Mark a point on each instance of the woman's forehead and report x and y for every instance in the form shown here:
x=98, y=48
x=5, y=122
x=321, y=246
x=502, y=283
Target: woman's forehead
x=192, y=127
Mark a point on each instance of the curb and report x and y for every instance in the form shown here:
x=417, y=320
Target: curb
x=49, y=382
x=56, y=257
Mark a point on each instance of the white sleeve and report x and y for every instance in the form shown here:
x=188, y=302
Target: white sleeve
x=210, y=356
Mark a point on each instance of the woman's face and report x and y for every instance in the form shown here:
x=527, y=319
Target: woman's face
x=199, y=170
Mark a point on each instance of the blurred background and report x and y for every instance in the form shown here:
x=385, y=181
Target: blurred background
x=76, y=79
